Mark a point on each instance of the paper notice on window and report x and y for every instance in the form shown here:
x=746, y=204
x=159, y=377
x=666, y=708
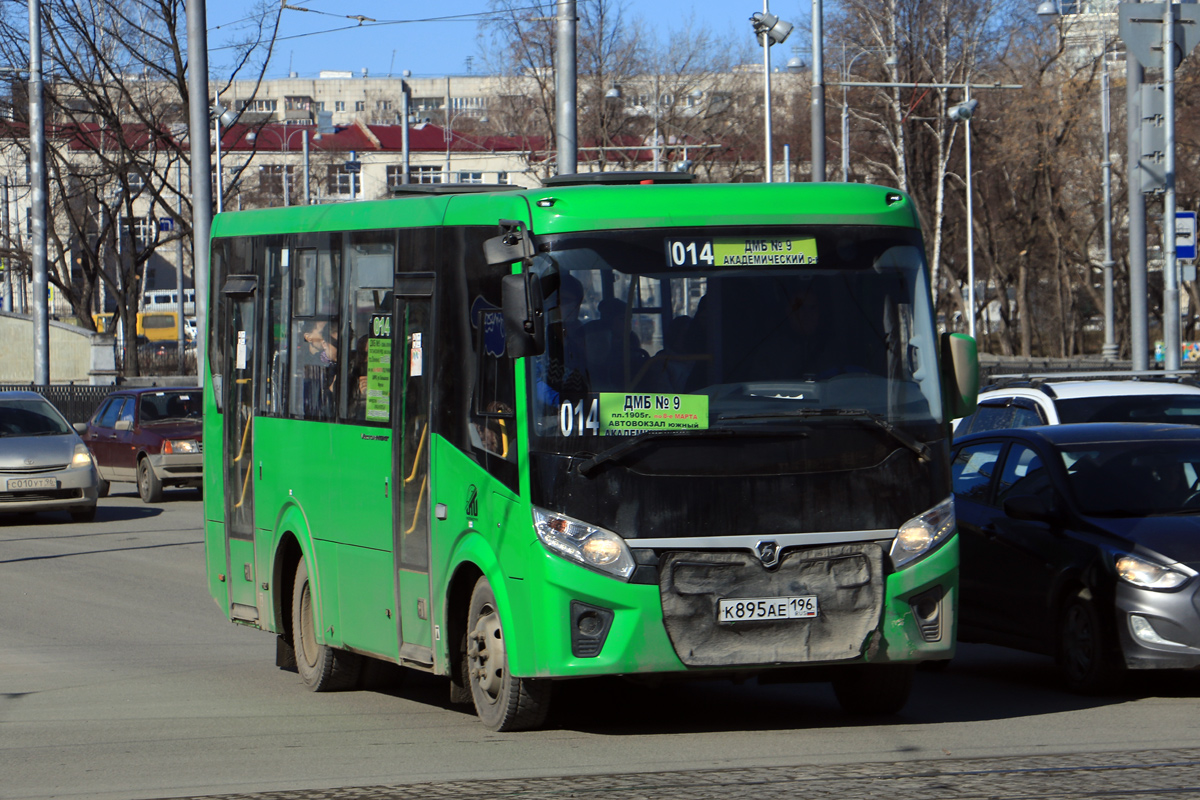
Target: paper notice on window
x=415, y=359
x=240, y=356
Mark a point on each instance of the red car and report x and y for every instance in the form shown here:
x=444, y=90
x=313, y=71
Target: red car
x=148, y=436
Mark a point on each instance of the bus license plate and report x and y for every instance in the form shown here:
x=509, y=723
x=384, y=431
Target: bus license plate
x=18, y=484
x=759, y=609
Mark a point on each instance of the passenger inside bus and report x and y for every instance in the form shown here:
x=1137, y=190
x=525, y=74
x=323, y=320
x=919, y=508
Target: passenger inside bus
x=567, y=364
x=614, y=353
x=317, y=362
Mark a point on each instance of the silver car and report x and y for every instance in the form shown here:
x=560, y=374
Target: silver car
x=44, y=464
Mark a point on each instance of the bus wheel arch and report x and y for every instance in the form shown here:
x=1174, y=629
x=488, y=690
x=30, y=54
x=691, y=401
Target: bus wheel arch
x=287, y=557
x=458, y=602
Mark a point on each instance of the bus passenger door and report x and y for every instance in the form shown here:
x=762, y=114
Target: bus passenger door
x=237, y=330
x=412, y=371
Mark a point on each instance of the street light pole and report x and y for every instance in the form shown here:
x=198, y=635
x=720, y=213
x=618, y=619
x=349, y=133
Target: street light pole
x=1110, y=350
x=37, y=165
x=770, y=30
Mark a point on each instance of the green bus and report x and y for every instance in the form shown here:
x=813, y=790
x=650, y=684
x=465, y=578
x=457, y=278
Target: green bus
x=612, y=426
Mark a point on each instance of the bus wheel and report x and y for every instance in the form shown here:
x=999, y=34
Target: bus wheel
x=321, y=668
x=149, y=486
x=873, y=689
x=502, y=701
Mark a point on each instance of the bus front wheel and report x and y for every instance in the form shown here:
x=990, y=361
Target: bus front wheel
x=322, y=668
x=502, y=701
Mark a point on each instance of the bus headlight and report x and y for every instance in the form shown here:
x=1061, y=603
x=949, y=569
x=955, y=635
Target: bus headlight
x=181, y=446
x=594, y=548
x=923, y=533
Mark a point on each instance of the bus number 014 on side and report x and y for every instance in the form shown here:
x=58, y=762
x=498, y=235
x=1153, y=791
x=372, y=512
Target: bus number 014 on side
x=510, y=437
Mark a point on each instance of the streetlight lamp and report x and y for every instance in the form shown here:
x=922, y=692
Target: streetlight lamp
x=283, y=139
x=890, y=61
x=770, y=30
x=963, y=113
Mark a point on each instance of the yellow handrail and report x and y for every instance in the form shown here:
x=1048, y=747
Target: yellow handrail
x=417, y=457
x=245, y=438
x=417, y=510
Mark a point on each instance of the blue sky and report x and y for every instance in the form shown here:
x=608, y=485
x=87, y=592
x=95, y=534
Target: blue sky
x=426, y=39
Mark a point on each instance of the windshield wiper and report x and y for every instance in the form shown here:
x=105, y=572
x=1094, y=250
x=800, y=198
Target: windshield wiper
x=588, y=465
x=859, y=414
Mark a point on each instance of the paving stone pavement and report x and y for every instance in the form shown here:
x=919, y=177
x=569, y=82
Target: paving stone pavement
x=1125, y=775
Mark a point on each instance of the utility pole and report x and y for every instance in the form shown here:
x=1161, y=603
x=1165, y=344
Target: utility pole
x=565, y=89
x=198, y=115
x=37, y=172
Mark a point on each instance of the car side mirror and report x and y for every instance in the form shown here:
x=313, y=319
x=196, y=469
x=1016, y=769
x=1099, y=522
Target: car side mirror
x=124, y=425
x=80, y=427
x=1029, y=507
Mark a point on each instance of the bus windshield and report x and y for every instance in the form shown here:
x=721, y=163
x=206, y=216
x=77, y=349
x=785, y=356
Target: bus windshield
x=747, y=330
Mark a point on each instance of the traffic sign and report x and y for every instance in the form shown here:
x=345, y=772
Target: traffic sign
x=353, y=166
x=166, y=225
x=1185, y=235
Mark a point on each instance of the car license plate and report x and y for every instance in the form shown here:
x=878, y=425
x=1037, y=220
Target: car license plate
x=19, y=484
x=758, y=609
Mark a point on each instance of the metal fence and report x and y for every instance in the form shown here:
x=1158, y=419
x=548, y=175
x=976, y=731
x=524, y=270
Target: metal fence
x=77, y=402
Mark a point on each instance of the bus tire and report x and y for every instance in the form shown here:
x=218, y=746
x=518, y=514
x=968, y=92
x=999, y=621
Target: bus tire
x=874, y=689
x=502, y=701
x=321, y=668
x=149, y=486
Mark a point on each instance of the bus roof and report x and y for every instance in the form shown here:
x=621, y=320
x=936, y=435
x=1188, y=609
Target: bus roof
x=567, y=209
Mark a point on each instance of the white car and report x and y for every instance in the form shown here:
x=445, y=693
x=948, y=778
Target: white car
x=1061, y=399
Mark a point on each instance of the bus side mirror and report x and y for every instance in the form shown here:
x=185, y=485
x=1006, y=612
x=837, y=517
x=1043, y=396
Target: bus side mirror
x=513, y=244
x=524, y=320
x=960, y=374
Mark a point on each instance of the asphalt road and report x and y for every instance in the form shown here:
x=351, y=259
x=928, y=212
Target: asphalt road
x=120, y=678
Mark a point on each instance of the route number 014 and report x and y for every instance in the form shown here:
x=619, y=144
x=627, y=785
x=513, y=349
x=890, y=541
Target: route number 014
x=572, y=423
x=690, y=252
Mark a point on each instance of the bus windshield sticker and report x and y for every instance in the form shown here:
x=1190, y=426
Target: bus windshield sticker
x=379, y=367
x=742, y=251
x=492, y=319
x=622, y=413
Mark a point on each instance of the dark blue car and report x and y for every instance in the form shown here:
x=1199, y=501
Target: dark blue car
x=1082, y=542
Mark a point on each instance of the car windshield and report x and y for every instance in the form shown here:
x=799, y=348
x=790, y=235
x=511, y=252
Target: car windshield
x=30, y=417
x=686, y=331
x=157, y=407
x=1123, y=479
x=1176, y=408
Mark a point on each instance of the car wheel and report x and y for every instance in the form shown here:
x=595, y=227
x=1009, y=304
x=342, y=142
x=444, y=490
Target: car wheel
x=503, y=701
x=322, y=668
x=86, y=514
x=873, y=689
x=102, y=488
x=149, y=486
x=1086, y=656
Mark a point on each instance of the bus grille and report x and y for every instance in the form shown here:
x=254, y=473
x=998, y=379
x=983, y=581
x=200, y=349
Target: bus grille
x=847, y=580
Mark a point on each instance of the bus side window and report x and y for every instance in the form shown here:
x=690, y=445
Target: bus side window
x=316, y=350
x=370, y=263
x=493, y=420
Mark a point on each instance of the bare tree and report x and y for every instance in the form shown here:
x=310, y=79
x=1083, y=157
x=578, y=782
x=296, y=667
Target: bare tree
x=117, y=154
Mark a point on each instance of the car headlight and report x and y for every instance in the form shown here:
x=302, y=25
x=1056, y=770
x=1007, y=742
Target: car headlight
x=595, y=548
x=923, y=533
x=82, y=456
x=181, y=446
x=1147, y=574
